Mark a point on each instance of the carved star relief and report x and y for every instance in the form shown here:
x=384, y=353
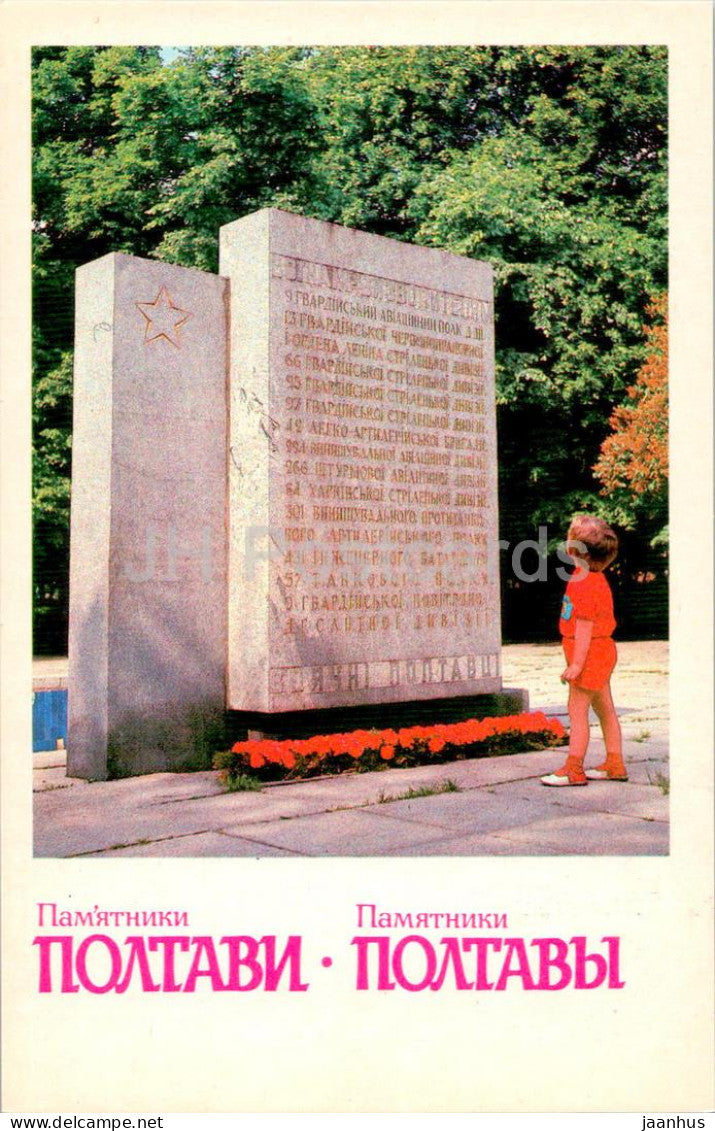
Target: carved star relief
x=163, y=318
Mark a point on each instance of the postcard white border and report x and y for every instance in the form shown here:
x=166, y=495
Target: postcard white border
x=332, y=1049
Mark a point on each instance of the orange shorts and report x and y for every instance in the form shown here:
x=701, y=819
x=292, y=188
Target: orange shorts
x=600, y=662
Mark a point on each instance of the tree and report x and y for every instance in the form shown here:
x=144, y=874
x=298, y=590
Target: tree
x=131, y=155
x=547, y=161
x=633, y=464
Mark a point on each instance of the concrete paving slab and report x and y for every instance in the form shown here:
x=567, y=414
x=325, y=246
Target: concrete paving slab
x=91, y=824
x=54, y=777
x=636, y=752
x=514, y=767
x=155, y=789
x=655, y=727
x=594, y=834
x=45, y=667
x=626, y=798
x=634, y=745
x=91, y=819
x=641, y=703
x=479, y=846
x=471, y=773
x=189, y=814
x=357, y=789
x=654, y=807
x=650, y=772
x=639, y=681
x=555, y=709
x=476, y=811
x=77, y=835
x=205, y=844
x=46, y=759
x=185, y=787
x=353, y=832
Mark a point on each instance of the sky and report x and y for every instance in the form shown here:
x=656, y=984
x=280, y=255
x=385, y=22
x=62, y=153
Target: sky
x=168, y=54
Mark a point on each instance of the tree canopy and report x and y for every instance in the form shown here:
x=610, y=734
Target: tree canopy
x=549, y=162
x=633, y=463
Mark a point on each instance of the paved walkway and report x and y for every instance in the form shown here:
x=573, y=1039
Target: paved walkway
x=483, y=807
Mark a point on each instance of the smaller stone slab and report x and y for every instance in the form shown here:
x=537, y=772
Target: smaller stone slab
x=147, y=630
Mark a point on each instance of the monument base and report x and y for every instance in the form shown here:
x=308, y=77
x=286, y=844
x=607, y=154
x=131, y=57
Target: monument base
x=338, y=720
x=175, y=740
x=188, y=743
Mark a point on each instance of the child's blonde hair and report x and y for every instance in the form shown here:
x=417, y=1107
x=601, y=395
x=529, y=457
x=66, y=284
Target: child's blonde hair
x=598, y=543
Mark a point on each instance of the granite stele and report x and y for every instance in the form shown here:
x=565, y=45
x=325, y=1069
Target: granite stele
x=284, y=488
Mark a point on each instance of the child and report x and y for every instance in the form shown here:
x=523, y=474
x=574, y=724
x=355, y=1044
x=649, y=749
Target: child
x=586, y=625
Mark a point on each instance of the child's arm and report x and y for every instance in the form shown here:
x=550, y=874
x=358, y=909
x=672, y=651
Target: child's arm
x=582, y=642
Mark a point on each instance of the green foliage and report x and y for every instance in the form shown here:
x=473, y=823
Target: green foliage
x=663, y=783
x=242, y=783
x=446, y=786
x=187, y=743
x=51, y=469
x=547, y=161
x=545, y=201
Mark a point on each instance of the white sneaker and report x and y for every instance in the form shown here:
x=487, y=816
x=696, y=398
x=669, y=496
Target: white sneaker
x=603, y=775
x=560, y=779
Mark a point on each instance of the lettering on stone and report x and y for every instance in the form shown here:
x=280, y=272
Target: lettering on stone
x=382, y=465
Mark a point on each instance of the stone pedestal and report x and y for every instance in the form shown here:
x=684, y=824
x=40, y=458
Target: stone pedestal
x=362, y=474
x=147, y=635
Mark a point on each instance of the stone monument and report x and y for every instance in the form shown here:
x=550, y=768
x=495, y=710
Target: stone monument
x=363, y=476
x=284, y=487
x=147, y=633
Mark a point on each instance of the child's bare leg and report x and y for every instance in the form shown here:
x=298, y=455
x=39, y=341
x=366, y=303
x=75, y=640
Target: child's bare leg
x=614, y=767
x=572, y=772
x=606, y=712
x=579, y=703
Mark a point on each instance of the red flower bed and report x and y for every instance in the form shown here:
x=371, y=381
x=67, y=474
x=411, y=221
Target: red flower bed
x=362, y=750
